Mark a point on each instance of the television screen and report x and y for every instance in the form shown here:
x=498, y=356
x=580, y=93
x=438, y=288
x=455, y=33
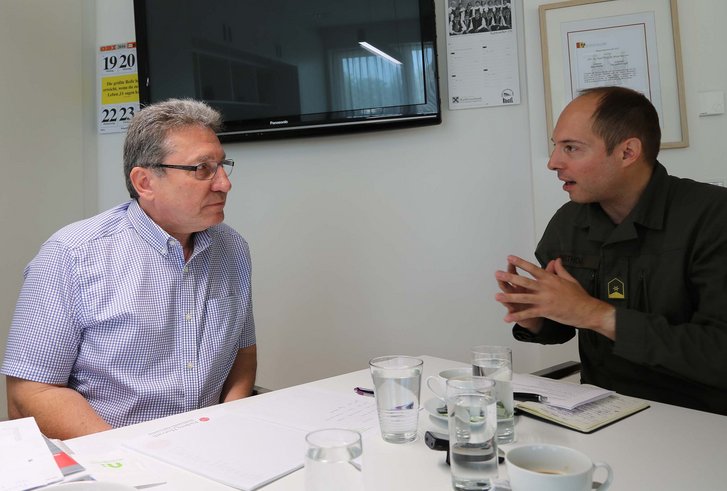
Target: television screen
x=278, y=68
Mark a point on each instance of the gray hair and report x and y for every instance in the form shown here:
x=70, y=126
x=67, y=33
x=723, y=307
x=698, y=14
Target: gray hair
x=146, y=137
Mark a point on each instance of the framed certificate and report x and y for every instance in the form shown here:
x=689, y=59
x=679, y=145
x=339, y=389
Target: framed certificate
x=629, y=43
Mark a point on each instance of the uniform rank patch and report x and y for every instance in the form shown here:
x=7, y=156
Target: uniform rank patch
x=616, y=289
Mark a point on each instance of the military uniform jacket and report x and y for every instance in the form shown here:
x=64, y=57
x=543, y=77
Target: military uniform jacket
x=664, y=268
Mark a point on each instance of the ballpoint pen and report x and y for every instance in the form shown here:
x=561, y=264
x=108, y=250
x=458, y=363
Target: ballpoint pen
x=363, y=391
x=529, y=396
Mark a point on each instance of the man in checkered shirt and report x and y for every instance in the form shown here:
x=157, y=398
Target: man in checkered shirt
x=144, y=310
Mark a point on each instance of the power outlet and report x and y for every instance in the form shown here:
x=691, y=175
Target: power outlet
x=711, y=103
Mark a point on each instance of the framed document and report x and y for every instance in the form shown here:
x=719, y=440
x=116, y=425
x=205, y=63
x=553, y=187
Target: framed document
x=629, y=43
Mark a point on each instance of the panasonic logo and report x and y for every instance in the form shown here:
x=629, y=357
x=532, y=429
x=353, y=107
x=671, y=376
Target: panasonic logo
x=277, y=123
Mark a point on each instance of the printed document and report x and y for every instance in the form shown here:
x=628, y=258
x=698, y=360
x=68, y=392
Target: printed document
x=27, y=462
x=252, y=444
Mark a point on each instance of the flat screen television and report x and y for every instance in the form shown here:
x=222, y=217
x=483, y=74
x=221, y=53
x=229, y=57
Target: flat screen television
x=280, y=68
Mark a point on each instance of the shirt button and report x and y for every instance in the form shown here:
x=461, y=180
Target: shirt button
x=190, y=365
x=186, y=269
x=188, y=317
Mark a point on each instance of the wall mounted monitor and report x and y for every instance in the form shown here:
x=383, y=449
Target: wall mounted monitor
x=280, y=68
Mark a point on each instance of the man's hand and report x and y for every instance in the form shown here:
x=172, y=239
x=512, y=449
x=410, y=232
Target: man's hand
x=511, y=288
x=551, y=293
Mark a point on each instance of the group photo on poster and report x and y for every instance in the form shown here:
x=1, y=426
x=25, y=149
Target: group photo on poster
x=479, y=16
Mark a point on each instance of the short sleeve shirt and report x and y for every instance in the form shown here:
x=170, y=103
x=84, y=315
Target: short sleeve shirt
x=110, y=308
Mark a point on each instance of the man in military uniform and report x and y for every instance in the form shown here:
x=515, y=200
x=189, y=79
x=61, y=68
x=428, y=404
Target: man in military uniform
x=636, y=262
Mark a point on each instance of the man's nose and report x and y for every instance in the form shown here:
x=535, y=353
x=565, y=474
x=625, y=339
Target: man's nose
x=554, y=162
x=221, y=182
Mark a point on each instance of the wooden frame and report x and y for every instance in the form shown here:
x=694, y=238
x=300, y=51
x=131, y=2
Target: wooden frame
x=667, y=64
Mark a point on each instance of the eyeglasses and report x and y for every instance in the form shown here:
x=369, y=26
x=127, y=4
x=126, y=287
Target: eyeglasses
x=204, y=171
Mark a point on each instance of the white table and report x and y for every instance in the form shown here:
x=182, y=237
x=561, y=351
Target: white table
x=662, y=448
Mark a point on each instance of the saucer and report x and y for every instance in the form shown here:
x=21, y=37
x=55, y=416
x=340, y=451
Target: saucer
x=431, y=406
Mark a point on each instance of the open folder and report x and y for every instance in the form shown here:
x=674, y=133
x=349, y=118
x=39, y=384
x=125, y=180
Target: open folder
x=583, y=408
x=588, y=417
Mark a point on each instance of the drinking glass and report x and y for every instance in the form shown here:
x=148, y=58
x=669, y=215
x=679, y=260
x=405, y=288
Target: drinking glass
x=397, y=384
x=495, y=362
x=333, y=460
x=472, y=411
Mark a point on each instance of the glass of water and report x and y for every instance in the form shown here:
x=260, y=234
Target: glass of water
x=333, y=460
x=397, y=384
x=472, y=421
x=495, y=362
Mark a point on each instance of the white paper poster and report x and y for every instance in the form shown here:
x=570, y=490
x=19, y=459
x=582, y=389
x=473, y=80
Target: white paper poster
x=482, y=56
x=118, y=87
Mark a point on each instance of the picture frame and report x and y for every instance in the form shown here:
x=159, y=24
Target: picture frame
x=632, y=43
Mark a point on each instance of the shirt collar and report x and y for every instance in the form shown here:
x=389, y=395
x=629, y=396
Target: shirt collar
x=156, y=236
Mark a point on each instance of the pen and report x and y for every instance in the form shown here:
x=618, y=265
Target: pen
x=363, y=392
x=529, y=396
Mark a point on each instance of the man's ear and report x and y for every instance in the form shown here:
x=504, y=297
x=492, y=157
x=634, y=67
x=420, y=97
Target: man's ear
x=141, y=179
x=629, y=151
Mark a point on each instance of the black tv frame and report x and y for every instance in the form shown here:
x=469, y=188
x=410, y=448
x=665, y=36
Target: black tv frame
x=296, y=125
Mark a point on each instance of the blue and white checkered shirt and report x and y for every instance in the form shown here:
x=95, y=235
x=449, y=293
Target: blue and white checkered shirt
x=110, y=309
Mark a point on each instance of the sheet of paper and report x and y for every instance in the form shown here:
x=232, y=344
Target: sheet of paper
x=25, y=460
x=123, y=467
x=248, y=445
x=234, y=449
x=310, y=409
x=566, y=395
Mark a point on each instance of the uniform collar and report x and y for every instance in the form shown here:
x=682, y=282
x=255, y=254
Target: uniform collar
x=649, y=212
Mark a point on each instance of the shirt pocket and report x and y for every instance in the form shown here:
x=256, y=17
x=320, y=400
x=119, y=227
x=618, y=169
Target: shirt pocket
x=584, y=268
x=223, y=320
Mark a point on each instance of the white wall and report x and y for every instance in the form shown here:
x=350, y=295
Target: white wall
x=374, y=243
x=43, y=136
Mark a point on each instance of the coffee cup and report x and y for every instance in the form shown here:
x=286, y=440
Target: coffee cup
x=438, y=383
x=547, y=467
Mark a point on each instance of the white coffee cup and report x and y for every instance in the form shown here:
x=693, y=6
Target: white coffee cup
x=548, y=467
x=438, y=383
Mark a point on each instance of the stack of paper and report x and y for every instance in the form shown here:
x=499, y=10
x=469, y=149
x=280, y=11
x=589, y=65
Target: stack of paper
x=561, y=394
x=584, y=408
x=587, y=417
x=27, y=462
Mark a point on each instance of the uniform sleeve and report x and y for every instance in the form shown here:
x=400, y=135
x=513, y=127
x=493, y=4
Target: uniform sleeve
x=44, y=337
x=551, y=333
